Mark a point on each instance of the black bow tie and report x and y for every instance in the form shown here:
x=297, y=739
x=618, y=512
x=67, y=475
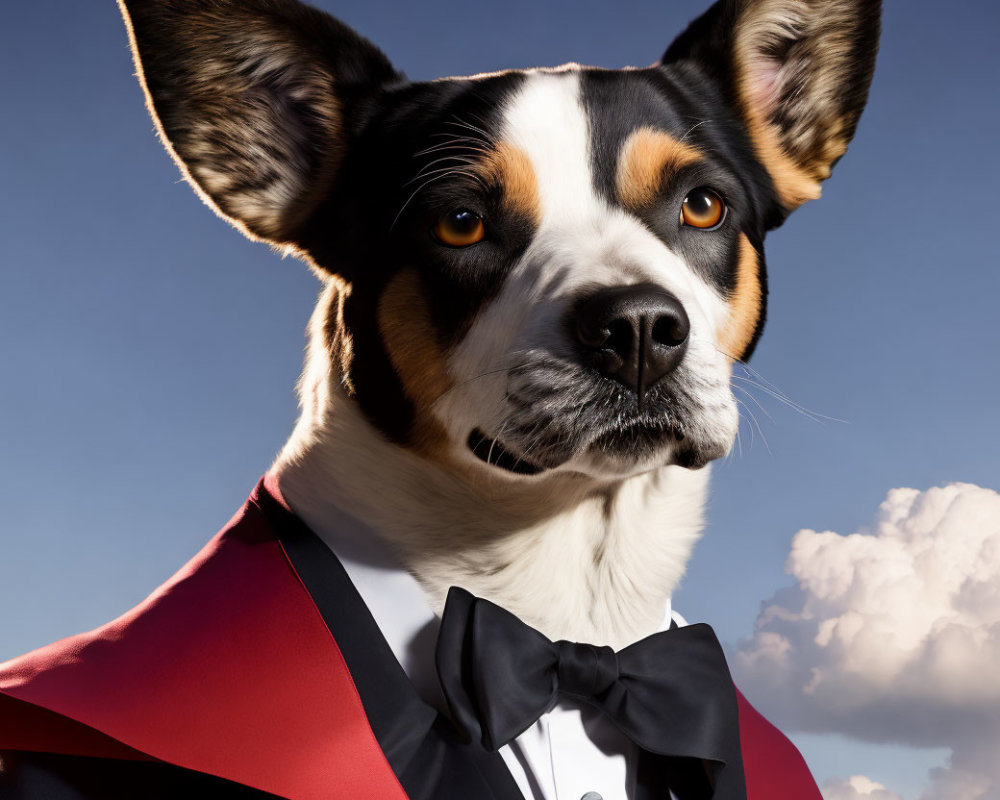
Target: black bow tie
x=671, y=693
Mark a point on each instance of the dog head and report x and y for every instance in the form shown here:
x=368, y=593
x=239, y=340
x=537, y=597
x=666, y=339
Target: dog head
x=533, y=271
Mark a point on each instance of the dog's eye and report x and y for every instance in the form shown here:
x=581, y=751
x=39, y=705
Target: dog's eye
x=460, y=228
x=702, y=208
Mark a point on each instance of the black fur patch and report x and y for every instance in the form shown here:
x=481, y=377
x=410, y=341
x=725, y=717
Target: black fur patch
x=412, y=163
x=692, y=110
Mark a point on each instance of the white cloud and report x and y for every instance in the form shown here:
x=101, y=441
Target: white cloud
x=857, y=787
x=893, y=634
x=959, y=784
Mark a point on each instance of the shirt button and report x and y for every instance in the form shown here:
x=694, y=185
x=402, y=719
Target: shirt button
x=591, y=796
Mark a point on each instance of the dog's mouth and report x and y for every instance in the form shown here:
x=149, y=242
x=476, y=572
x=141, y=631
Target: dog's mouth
x=635, y=441
x=642, y=440
x=637, y=437
x=491, y=451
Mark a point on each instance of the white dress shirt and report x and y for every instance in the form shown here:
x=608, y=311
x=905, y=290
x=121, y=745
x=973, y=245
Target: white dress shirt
x=572, y=753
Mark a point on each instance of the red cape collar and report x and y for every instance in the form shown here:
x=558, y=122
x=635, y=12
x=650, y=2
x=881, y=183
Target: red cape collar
x=228, y=669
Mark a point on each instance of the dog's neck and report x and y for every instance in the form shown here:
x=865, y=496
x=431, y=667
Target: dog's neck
x=576, y=559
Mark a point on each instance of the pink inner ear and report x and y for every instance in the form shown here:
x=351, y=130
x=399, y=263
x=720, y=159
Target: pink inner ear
x=763, y=83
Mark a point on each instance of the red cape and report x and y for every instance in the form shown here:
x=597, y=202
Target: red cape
x=229, y=669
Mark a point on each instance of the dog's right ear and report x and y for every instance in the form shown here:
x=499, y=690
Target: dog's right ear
x=255, y=100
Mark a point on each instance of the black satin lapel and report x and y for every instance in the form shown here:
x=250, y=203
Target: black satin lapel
x=731, y=782
x=420, y=745
x=657, y=776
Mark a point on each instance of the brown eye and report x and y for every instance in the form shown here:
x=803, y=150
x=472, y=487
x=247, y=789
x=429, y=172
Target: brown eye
x=460, y=228
x=702, y=208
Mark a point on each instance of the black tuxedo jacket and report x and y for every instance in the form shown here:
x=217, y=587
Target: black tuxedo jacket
x=258, y=671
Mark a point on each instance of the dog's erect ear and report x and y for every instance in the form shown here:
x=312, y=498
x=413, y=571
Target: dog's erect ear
x=797, y=72
x=255, y=99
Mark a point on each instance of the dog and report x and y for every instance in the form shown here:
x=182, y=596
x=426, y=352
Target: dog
x=535, y=284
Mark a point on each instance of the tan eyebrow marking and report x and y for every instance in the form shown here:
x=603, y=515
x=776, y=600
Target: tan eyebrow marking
x=646, y=157
x=510, y=168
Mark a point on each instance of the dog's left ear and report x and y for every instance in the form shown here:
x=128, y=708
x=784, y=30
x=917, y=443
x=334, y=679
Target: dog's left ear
x=796, y=71
x=256, y=101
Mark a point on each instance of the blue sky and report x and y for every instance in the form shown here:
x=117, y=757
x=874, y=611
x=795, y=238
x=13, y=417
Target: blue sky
x=149, y=353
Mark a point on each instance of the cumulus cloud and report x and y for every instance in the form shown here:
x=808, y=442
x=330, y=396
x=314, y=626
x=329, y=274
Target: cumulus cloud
x=893, y=634
x=857, y=787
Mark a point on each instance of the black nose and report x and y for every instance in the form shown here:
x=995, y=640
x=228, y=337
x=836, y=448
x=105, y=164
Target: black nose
x=634, y=334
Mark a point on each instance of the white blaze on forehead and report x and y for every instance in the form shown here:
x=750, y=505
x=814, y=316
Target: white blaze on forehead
x=547, y=121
